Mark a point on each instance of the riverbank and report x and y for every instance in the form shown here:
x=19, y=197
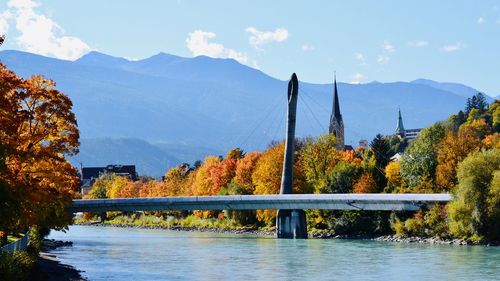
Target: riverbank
x=49, y=268
x=242, y=230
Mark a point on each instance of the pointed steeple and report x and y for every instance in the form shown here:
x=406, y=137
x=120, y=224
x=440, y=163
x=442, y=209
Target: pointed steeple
x=336, y=104
x=336, y=123
x=400, y=126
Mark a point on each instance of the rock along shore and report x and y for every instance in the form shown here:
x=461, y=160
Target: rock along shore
x=50, y=268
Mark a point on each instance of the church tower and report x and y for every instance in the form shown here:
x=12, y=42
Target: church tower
x=400, y=129
x=336, y=124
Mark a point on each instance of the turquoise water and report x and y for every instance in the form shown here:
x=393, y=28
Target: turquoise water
x=108, y=253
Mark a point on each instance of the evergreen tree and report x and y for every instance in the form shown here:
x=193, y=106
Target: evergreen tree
x=382, y=151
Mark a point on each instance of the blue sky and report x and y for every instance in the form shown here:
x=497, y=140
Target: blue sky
x=452, y=41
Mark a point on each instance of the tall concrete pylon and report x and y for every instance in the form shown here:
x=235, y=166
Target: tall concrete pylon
x=290, y=223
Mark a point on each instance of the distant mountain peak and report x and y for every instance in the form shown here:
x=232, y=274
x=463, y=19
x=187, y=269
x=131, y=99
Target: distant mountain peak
x=95, y=58
x=455, y=88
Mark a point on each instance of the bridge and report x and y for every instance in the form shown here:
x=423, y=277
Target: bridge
x=373, y=202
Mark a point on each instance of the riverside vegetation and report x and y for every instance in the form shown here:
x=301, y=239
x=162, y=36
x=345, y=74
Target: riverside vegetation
x=460, y=155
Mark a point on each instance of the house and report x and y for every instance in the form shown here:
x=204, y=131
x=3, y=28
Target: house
x=90, y=174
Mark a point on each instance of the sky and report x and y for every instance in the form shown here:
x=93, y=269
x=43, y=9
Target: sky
x=363, y=41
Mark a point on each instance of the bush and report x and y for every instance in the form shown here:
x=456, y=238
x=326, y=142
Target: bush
x=431, y=223
x=475, y=210
x=16, y=266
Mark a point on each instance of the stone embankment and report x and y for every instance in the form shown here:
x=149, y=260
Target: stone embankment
x=49, y=268
x=433, y=240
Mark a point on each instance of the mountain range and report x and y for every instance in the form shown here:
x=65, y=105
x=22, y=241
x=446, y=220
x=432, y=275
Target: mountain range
x=165, y=110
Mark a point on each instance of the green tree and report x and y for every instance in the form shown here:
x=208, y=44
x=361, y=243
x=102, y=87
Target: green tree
x=475, y=210
x=420, y=158
x=343, y=177
x=382, y=152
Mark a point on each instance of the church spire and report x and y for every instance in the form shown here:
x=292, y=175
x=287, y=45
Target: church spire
x=336, y=123
x=400, y=129
x=336, y=104
x=400, y=126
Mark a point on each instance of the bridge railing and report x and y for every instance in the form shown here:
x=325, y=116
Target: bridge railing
x=19, y=245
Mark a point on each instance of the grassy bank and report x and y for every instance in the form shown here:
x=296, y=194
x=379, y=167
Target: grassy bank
x=188, y=222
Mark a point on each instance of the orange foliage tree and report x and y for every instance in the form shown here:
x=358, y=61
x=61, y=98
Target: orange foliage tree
x=365, y=184
x=454, y=148
x=38, y=130
x=244, y=170
x=131, y=190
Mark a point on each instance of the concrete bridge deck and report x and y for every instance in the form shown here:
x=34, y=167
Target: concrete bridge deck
x=382, y=202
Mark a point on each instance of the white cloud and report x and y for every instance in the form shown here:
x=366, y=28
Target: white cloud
x=259, y=38
x=361, y=58
x=308, y=48
x=388, y=47
x=41, y=35
x=357, y=78
x=418, y=44
x=480, y=20
x=4, y=24
x=197, y=43
x=383, y=59
x=453, y=47
x=498, y=21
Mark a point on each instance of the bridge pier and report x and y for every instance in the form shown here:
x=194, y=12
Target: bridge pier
x=291, y=224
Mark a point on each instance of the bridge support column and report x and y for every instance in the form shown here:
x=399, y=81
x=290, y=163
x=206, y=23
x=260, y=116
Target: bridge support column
x=291, y=224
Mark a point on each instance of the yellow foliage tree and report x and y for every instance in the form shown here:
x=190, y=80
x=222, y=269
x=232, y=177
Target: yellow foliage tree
x=116, y=185
x=267, y=178
x=394, y=179
x=318, y=158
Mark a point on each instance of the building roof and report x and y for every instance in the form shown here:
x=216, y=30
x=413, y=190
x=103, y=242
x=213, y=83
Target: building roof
x=95, y=172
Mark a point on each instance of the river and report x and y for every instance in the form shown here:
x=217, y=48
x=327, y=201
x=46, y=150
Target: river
x=109, y=253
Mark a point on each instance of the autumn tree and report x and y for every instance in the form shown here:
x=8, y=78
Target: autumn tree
x=204, y=182
x=267, y=177
x=394, y=180
x=131, y=190
x=38, y=131
x=366, y=184
x=245, y=167
x=453, y=149
x=318, y=158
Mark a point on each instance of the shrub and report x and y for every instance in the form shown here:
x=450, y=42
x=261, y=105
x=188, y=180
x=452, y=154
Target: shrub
x=475, y=210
